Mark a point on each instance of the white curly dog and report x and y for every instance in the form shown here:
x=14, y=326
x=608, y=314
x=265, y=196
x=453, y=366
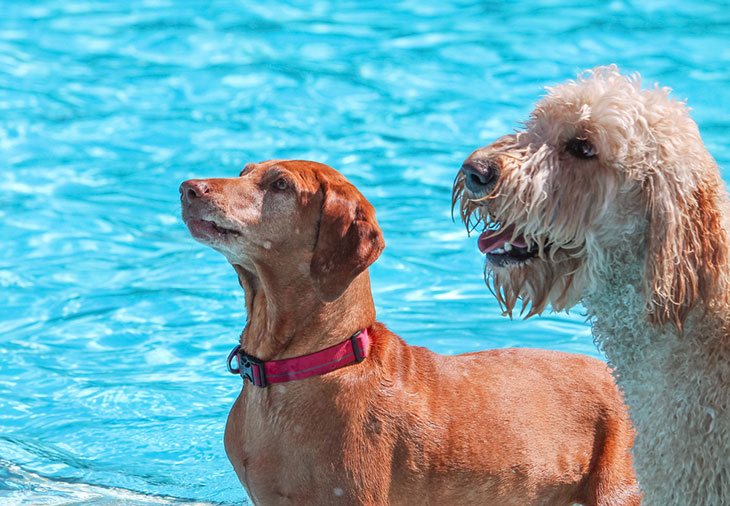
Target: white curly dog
x=609, y=198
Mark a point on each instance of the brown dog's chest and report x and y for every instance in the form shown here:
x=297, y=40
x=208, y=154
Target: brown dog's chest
x=295, y=451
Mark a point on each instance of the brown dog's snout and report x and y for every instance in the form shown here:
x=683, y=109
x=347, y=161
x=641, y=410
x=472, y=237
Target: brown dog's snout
x=193, y=189
x=480, y=175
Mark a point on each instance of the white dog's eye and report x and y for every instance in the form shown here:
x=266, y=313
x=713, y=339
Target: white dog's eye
x=281, y=184
x=581, y=148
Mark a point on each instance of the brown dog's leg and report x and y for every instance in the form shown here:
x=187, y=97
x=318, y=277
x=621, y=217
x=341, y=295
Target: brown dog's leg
x=613, y=481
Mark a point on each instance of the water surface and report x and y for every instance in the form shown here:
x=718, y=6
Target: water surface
x=114, y=324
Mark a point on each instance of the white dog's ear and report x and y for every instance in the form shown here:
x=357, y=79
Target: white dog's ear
x=687, y=243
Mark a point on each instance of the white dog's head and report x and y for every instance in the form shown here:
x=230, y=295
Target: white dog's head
x=601, y=166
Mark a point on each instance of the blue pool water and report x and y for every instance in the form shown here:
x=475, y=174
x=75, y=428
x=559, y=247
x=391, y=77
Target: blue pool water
x=114, y=324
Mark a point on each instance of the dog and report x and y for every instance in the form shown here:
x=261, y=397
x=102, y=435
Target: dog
x=608, y=197
x=336, y=409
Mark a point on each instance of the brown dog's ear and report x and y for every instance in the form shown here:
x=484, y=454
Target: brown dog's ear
x=348, y=242
x=687, y=246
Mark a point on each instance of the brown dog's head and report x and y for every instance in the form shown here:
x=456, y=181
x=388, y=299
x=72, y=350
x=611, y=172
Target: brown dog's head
x=605, y=175
x=302, y=218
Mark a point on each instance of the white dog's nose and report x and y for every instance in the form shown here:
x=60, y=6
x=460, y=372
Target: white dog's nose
x=480, y=176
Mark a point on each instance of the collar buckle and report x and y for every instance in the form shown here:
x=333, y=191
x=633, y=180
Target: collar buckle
x=250, y=368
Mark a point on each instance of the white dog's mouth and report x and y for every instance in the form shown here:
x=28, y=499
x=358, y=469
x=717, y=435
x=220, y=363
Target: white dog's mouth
x=504, y=248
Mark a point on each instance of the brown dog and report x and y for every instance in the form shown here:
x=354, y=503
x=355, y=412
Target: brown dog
x=403, y=425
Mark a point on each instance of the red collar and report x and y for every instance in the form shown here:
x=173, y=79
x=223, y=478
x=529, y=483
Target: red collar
x=261, y=373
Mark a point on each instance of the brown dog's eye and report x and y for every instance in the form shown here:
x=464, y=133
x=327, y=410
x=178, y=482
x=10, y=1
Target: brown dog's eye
x=280, y=184
x=581, y=148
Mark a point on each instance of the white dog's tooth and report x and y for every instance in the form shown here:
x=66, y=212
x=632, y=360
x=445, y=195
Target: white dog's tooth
x=507, y=246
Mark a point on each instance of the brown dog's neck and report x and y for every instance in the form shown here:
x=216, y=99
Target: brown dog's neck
x=285, y=317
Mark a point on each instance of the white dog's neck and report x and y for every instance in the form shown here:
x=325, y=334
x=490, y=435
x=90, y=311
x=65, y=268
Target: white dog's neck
x=670, y=380
x=616, y=304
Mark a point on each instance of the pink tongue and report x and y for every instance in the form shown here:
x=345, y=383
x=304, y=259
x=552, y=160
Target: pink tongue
x=491, y=240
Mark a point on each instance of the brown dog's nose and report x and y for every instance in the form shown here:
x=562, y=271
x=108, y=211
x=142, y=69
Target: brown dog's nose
x=193, y=189
x=480, y=176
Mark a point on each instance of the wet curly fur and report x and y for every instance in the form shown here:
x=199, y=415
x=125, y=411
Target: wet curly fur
x=638, y=234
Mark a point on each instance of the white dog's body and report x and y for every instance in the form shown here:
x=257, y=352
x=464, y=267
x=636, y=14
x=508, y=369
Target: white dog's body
x=609, y=198
x=676, y=386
